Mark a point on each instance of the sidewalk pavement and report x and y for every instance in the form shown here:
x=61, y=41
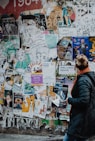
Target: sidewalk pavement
x=21, y=137
x=16, y=137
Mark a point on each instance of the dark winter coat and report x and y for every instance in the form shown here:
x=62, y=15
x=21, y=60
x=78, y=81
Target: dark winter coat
x=80, y=101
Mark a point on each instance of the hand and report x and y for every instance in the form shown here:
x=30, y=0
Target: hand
x=64, y=102
x=67, y=100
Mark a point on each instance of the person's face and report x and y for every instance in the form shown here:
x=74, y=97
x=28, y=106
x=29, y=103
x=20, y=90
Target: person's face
x=21, y=56
x=38, y=56
x=41, y=57
x=8, y=98
x=82, y=41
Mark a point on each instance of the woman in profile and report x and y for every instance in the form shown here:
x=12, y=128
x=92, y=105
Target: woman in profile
x=80, y=101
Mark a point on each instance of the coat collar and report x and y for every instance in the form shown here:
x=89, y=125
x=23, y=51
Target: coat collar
x=84, y=71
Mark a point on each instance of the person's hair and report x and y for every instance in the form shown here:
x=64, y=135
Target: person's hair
x=81, y=62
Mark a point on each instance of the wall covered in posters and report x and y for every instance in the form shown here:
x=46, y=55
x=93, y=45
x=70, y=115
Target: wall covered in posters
x=39, y=41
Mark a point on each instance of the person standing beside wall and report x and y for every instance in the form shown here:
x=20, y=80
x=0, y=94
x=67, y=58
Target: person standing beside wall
x=80, y=101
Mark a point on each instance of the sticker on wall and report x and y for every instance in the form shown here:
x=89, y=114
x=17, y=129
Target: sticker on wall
x=80, y=46
x=69, y=15
x=64, y=48
x=9, y=26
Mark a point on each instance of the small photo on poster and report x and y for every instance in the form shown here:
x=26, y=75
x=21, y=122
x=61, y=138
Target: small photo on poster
x=8, y=98
x=80, y=46
x=9, y=26
x=62, y=91
x=28, y=88
x=65, y=49
x=18, y=100
x=40, y=109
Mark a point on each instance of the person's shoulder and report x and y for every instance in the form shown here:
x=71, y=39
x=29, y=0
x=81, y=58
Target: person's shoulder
x=83, y=77
x=87, y=77
x=91, y=73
